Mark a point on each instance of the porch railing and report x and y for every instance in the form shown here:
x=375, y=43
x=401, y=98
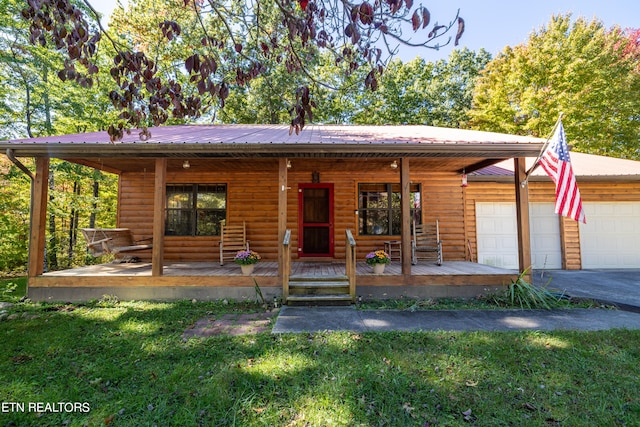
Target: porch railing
x=286, y=265
x=350, y=248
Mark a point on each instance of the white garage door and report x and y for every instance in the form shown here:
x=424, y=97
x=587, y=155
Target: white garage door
x=498, y=237
x=611, y=236
x=545, y=236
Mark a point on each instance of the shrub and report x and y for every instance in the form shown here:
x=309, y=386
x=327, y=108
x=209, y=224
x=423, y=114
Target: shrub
x=523, y=294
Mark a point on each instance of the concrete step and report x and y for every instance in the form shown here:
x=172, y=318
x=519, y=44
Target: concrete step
x=319, y=290
x=326, y=299
x=318, y=287
x=336, y=278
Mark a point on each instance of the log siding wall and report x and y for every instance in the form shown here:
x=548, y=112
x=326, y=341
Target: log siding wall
x=252, y=196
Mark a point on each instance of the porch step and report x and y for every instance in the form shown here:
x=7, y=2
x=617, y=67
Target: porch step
x=319, y=290
x=316, y=278
x=319, y=299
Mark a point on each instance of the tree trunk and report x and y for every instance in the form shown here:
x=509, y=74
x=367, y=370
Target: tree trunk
x=47, y=102
x=94, y=206
x=73, y=224
x=28, y=109
x=52, y=246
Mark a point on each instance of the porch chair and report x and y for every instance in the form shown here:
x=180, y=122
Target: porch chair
x=426, y=243
x=233, y=238
x=104, y=241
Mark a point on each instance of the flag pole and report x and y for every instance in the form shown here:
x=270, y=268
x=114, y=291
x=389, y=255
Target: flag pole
x=544, y=147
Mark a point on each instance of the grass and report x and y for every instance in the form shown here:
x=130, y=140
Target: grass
x=12, y=289
x=129, y=362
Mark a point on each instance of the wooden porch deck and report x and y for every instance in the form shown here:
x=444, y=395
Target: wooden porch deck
x=316, y=268
x=209, y=280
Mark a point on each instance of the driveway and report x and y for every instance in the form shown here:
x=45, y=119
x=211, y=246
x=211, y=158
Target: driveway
x=620, y=287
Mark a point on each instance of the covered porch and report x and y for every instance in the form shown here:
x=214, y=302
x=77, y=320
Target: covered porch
x=205, y=280
x=376, y=181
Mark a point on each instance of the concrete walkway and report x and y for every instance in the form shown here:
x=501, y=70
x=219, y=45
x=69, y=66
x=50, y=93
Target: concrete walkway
x=621, y=288
x=316, y=319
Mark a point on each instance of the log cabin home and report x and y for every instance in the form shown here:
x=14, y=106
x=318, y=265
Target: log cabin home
x=313, y=204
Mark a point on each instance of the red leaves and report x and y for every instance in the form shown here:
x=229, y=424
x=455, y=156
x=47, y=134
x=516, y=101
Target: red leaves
x=170, y=29
x=394, y=6
x=420, y=18
x=192, y=63
x=371, y=81
x=69, y=32
x=415, y=20
x=301, y=110
x=426, y=17
x=460, y=31
x=144, y=94
x=365, y=13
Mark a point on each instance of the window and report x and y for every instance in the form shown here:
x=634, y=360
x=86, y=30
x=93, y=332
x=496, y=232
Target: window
x=379, y=208
x=195, y=209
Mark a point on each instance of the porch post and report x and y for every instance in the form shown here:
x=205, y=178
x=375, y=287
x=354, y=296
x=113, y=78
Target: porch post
x=405, y=215
x=522, y=215
x=282, y=215
x=159, y=195
x=38, y=230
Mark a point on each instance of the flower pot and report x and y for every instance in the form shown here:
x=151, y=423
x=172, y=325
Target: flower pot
x=247, y=269
x=378, y=268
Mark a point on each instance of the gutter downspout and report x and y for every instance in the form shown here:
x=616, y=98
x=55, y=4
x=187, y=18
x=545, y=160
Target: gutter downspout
x=32, y=178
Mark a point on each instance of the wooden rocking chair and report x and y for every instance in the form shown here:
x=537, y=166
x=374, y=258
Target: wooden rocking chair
x=104, y=241
x=426, y=243
x=233, y=238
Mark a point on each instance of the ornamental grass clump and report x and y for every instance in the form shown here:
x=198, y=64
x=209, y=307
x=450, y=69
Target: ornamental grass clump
x=523, y=294
x=377, y=257
x=247, y=257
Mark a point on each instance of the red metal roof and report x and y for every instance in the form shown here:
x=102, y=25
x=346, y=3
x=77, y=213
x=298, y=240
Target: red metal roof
x=584, y=165
x=279, y=134
x=276, y=141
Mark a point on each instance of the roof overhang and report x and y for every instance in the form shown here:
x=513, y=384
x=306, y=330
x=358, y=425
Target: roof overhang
x=474, y=149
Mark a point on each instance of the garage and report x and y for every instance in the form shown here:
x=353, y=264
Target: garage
x=497, y=236
x=611, y=236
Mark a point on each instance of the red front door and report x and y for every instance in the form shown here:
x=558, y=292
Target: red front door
x=315, y=218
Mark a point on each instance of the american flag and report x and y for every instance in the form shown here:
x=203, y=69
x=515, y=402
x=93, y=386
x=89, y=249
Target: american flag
x=556, y=162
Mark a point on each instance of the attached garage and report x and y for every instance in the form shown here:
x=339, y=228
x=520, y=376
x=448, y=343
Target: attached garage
x=497, y=237
x=611, y=236
x=610, y=191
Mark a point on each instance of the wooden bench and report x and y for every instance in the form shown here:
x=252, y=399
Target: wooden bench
x=104, y=241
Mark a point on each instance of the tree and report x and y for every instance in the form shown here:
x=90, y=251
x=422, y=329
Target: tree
x=581, y=69
x=236, y=43
x=14, y=218
x=75, y=203
x=419, y=92
x=33, y=101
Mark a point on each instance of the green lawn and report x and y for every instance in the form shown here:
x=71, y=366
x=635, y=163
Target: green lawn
x=127, y=364
x=12, y=289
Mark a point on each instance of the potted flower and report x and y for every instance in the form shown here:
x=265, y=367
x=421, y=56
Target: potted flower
x=378, y=259
x=247, y=261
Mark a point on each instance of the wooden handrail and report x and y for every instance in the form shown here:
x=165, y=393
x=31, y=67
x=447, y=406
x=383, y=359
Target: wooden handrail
x=286, y=265
x=350, y=249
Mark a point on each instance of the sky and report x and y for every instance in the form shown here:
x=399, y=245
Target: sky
x=494, y=24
